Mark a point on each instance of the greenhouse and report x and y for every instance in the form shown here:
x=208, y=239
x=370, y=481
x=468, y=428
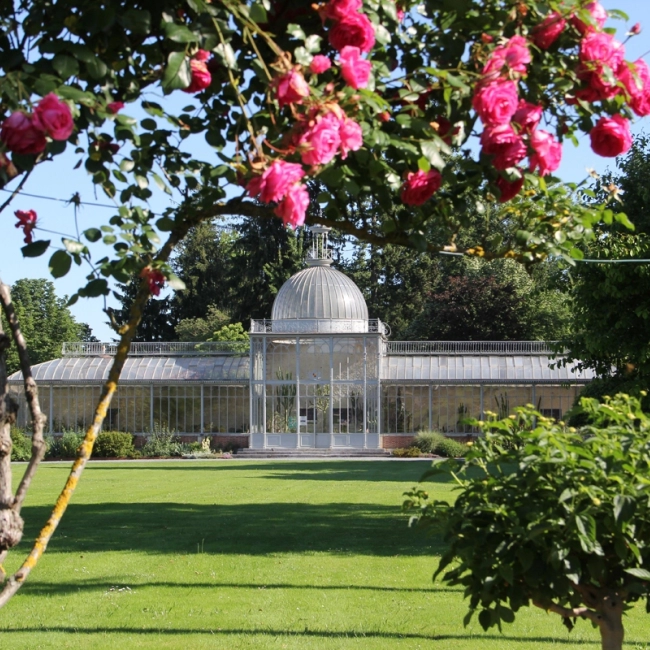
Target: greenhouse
x=318, y=374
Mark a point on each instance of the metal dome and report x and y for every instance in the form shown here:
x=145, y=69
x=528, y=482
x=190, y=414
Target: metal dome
x=319, y=292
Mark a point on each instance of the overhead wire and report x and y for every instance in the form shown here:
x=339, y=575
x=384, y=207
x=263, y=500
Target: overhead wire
x=75, y=201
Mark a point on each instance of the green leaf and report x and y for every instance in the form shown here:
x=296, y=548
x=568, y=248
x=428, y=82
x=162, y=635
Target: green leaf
x=165, y=224
x=624, y=507
x=258, y=13
x=180, y=33
x=59, y=264
x=431, y=151
x=96, y=68
x=485, y=619
x=296, y=31
x=73, y=246
x=175, y=282
x=177, y=72
x=312, y=43
x=643, y=574
x=66, y=66
x=93, y=234
x=94, y=288
x=35, y=249
x=137, y=21
x=227, y=55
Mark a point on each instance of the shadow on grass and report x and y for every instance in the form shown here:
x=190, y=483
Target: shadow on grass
x=317, y=470
x=245, y=529
x=51, y=589
x=323, y=634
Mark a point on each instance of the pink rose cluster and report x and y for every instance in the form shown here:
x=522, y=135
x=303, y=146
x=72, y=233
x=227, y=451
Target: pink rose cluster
x=280, y=183
x=511, y=132
x=351, y=27
x=201, y=77
x=25, y=133
x=327, y=135
x=420, y=186
x=604, y=73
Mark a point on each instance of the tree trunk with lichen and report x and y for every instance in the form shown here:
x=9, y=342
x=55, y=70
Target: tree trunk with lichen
x=11, y=524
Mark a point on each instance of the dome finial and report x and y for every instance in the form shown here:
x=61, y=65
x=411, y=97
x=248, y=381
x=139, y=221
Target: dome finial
x=319, y=254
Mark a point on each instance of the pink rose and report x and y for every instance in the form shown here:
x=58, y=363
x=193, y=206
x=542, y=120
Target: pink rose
x=202, y=55
x=114, y=107
x=52, y=116
x=514, y=56
x=27, y=221
x=290, y=88
x=21, y=135
x=611, y=136
x=495, y=102
x=509, y=189
x=321, y=142
x=548, y=31
x=598, y=16
x=548, y=152
x=319, y=64
x=294, y=206
x=341, y=9
x=420, y=186
x=155, y=279
x=201, y=77
x=636, y=29
x=636, y=79
x=601, y=48
x=354, y=69
x=527, y=116
x=505, y=144
x=351, y=136
x=275, y=182
x=355, y=30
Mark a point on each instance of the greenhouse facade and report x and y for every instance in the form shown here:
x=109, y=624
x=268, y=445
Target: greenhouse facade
x=318, y=374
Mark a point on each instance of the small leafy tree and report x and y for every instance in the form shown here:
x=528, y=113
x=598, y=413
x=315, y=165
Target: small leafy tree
x=551, y=516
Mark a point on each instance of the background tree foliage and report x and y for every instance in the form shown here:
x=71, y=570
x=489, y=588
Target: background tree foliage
x=45, y=320
x=610, y=328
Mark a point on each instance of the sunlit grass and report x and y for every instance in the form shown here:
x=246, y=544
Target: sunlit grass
x=228, y=554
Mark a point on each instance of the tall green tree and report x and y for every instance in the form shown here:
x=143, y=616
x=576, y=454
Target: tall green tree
x=611, y=300
x=45, y=320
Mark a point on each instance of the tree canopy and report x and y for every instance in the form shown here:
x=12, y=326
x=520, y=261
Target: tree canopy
x=45, y=320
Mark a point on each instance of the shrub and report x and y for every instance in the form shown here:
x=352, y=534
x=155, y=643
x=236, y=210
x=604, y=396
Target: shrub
x=428, y=441
x=406, y=452
x=451, y=449
x=64, y=446
x=162, y=443
x=114, y=444
x=21, y=448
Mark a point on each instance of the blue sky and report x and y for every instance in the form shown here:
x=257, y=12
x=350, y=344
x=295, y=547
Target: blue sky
x=59, y=180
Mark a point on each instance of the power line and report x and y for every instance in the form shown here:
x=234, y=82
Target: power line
x=113, y=207
x=52, y=198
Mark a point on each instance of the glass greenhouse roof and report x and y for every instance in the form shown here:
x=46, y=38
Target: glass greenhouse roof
x=76, y=370
x=404, y=368
x=479, y=369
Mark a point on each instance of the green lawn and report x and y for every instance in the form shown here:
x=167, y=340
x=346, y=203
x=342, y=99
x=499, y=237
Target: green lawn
x=236, y=554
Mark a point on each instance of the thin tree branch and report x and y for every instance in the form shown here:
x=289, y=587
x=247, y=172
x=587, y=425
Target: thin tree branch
x=569, y=612
x=31, y=395
x=13, y=195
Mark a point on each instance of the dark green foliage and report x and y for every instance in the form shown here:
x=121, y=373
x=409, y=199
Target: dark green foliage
x=451, y=449
x=64, y=446
x=114, y=444
x=21, y=445
x=406, y=452
x=45, y=321
x=162, y=443
x=549, y=515
x=428, y=441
